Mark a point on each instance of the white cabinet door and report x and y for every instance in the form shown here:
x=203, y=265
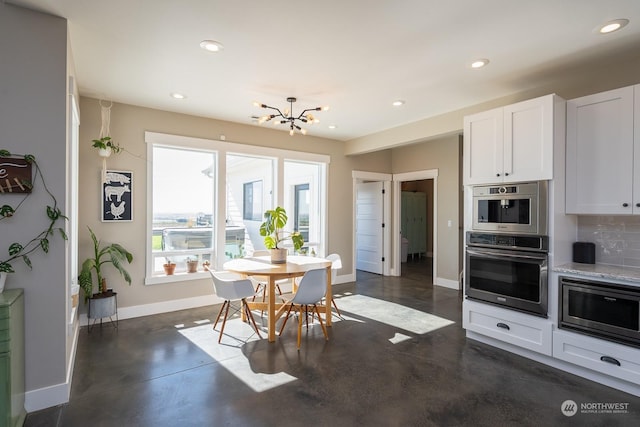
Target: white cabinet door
x=636, y=150
x=528, y=140
x=510, y=144
x=526, y=331
x=604, y=357
x=483, y=151
x=600, y=151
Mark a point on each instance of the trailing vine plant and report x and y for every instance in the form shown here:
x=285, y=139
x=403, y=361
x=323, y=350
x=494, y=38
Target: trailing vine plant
x=22, y=251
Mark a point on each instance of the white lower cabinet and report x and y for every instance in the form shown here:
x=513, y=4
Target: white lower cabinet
x=520, y=329
x=602, y=356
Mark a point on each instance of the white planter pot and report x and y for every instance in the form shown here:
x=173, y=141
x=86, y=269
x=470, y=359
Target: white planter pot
x=104, y=152
x=3, y=279
x=278, y=256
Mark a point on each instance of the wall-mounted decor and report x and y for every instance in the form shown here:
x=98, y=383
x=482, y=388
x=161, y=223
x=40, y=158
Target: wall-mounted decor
x=117, y=196
x=15, y=175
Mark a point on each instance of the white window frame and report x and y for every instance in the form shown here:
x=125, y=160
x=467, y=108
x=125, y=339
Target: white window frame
x=222, y=148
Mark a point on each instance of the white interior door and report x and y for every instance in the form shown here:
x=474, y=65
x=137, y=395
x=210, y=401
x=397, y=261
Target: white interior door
x=369, y=231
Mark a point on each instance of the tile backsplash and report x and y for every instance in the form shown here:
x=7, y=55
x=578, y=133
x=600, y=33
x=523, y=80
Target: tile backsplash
x=617, y=238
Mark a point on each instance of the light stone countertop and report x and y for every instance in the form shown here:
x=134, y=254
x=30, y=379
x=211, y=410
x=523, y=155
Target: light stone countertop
x=601, y=271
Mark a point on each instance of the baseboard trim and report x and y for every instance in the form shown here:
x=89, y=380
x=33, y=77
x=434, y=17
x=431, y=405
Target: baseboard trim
x=46, y=397
x=447, y=283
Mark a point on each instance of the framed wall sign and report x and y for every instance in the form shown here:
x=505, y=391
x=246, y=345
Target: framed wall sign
x=117, y=196
x=15, y=175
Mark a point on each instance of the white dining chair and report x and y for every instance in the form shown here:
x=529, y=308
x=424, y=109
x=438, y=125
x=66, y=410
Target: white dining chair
x=232, y=287
x=311, y=289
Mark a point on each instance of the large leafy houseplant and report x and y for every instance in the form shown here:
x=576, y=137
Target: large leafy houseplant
x=272, y=229
x=22, y=251
x=103, y=254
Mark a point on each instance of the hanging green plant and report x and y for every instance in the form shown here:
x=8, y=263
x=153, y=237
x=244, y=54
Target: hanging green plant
x=106, y=143
x=22, y=251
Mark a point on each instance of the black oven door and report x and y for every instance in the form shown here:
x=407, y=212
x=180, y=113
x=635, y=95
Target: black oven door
x=510, y=278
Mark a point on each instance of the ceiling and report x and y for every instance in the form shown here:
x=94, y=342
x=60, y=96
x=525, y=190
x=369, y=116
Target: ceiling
x=356, y=56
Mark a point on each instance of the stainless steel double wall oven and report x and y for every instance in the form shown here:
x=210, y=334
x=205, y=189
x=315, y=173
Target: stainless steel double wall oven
x=507, y=248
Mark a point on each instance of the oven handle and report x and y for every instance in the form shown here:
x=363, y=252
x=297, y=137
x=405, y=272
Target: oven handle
x=506, y=254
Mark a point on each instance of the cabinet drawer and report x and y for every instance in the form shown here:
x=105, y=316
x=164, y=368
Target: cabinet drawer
x=599, y=355
x=530, y=332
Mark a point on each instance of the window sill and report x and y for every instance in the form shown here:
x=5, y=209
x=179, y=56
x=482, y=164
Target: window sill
x=178, y=277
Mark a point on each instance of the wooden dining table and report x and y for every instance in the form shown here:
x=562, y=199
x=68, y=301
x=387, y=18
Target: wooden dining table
x=295, y=266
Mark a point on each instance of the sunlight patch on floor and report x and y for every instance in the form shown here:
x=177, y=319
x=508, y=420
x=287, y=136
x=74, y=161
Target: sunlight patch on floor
x=229, y=352
x=398, y=337
x=392, y=314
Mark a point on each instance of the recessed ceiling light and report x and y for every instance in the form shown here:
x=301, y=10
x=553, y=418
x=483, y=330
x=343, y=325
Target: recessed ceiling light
x=612, y=26
x=177, y=95
x=332, y=126
x=398, y=103
x=479, y=63
x=211, y=45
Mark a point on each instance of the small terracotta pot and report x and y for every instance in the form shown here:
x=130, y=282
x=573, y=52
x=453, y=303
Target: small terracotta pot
x=169, y=269
x=192, y=266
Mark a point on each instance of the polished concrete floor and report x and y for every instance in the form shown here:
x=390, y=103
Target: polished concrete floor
x=146, y=373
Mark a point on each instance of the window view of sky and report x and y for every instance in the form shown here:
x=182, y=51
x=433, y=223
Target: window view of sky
x=179, y=183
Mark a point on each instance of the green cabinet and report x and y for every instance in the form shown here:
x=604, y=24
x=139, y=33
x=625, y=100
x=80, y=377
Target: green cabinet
x=12, y=412
x=414, y=221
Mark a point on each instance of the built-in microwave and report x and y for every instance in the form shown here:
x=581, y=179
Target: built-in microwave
x=511, y=208
x=606, y=310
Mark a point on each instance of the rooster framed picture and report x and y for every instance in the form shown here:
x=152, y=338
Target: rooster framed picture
x=117, y=196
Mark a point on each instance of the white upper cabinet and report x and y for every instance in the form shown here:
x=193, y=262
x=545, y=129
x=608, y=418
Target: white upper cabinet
x=510, y=144
x=603, y=160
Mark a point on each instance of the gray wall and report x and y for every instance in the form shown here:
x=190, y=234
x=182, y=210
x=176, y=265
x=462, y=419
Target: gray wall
x=33, y=106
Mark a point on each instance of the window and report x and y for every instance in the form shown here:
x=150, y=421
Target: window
x=252, y=201
x=301, y=210
x=305, y=201
x=206, y=199
x=182, y=208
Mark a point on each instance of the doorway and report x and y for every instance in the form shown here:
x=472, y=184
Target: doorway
x=416, y=228
x=430, y=177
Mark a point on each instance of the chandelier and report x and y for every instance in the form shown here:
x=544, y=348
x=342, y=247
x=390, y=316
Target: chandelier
x=288, y=118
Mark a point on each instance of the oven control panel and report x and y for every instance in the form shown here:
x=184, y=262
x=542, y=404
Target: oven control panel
x=511, y=241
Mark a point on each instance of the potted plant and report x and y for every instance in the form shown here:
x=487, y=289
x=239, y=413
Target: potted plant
x=272, y=229
x=21, y=251
x=192, y=265
x=169, y=267
x=102, y=303
x=106, y=146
